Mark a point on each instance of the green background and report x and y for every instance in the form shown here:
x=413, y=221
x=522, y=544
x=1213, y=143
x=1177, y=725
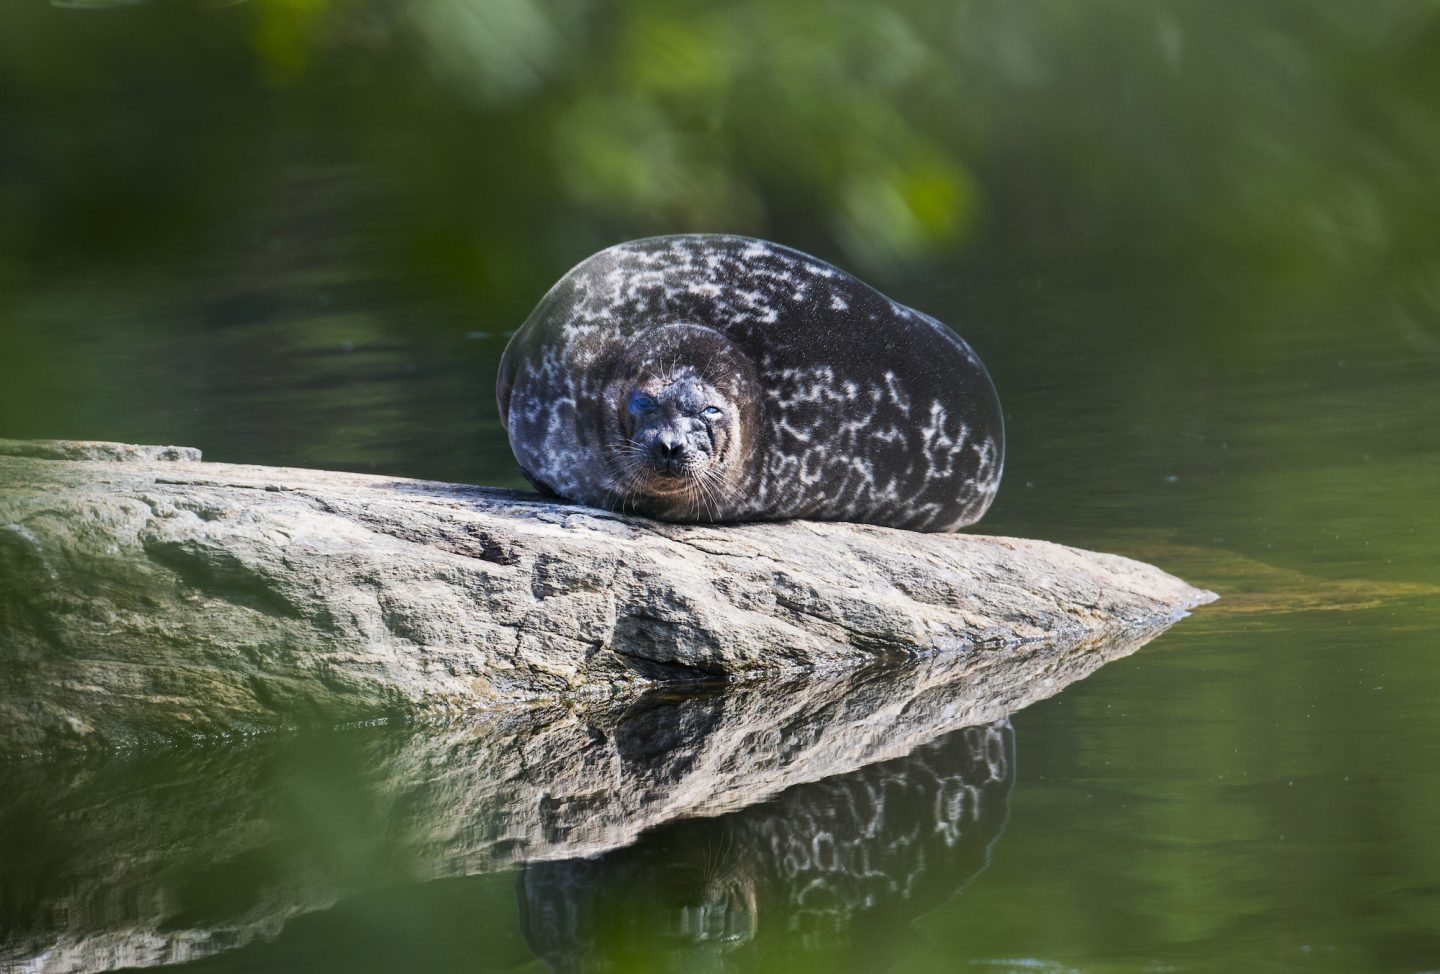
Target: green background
x=1197, y=244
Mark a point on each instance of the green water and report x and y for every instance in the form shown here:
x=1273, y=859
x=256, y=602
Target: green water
x=1196, y=245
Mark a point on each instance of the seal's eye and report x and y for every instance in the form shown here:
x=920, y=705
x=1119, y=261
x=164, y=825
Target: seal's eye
x=712, y=412
x=641, y=403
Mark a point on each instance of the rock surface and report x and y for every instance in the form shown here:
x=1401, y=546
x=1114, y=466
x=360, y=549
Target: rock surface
x=146, y=596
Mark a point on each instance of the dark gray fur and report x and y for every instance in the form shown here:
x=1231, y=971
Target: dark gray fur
x=868, y=410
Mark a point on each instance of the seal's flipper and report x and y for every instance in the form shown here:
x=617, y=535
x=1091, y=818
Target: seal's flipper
x=539, y=486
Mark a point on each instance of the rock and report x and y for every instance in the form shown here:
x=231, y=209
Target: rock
x=94, y=450
x=146, y=596
x=153, y=839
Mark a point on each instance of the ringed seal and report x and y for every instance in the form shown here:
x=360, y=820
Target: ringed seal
x=720, y=378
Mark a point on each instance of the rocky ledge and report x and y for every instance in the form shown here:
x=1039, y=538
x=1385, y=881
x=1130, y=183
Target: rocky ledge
x=147, y=596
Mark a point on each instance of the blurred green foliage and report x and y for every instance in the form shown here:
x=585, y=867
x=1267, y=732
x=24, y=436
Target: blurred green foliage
x=1282, y=143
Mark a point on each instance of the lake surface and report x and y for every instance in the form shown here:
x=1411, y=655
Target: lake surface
x=1196, y=250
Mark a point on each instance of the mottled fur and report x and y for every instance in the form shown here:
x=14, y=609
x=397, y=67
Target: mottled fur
x=846, y=405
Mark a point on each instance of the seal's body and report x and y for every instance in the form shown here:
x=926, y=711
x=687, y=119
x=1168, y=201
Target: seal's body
x=720, y=378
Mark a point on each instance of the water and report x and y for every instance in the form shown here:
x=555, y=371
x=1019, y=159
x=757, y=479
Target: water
x=1195, y=248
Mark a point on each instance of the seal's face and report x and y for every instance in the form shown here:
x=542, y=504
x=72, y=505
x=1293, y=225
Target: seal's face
x=682, y=406
x=681, y=425
x=679, y=434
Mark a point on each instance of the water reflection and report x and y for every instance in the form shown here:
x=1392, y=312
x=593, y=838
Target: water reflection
x=836, y=865
x=240, y=852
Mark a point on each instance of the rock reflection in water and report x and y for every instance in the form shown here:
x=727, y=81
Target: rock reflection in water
x=839, y=864
x=761, y=816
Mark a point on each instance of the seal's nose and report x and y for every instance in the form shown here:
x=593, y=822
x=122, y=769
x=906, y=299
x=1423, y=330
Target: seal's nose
x=667, y=452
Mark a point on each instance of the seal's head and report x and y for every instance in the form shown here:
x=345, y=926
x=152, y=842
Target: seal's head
x=681, y=411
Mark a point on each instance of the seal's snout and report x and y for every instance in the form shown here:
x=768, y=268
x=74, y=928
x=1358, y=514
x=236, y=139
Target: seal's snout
x=667, y=453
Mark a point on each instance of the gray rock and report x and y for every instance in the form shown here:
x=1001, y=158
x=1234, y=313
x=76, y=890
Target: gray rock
x=154, y=598
x=94, y=450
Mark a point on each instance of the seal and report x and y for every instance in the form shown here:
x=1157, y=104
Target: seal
x=715, y=378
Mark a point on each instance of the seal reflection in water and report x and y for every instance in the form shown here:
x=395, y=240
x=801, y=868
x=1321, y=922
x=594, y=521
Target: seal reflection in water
x=720, y=378
x=838, y=867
